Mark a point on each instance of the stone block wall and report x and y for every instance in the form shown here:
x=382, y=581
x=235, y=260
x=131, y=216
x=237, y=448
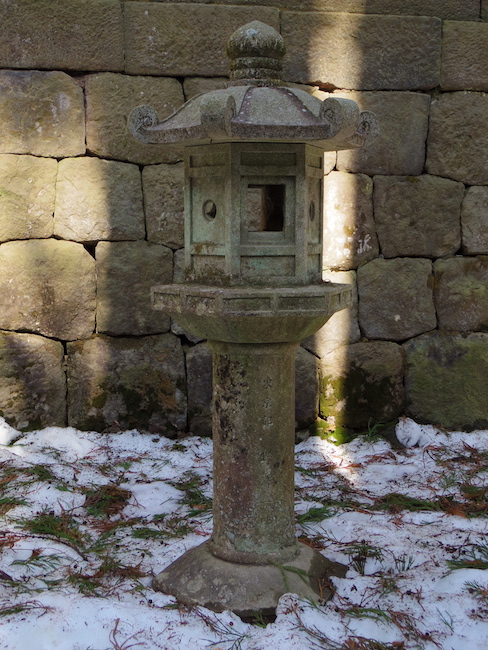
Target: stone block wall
x=90, y=219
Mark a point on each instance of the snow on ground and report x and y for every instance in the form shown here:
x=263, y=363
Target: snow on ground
x=88, y=519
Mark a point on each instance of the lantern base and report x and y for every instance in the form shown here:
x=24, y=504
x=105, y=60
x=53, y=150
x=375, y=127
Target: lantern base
x=200, y=578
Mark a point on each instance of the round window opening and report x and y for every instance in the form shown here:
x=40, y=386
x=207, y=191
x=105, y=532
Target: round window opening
x=209, y=210
x=311, y=211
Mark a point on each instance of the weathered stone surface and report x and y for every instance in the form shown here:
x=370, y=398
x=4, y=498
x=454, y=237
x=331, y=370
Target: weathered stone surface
x=41, y=113
x=179, y=266
x=27, y=190
x=306, y=388
x=396, y=298
x=193, y=86
x=461, y=293
x=124, y=383
x=464, y=56
x=447, y=380
x=400, y=147
x=48, y=287
x=362, y=52
x=452, y=149
x=110, y=98
x=349, y=230
x=362, y=383
x=417, y=215
x=177, y=40
x=126, y=272
x=67, y=35
x=199, y=377
x=447, y=9
x=484, y=9
x=32, y=381
x=98, y=199
x=474, y=220
x=342, y=327
x=164, y=204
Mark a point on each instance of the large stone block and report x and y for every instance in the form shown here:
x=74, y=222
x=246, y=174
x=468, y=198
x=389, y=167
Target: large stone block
x=110, y=98
x=417, y=216
x=126, y=271
x=42, y=113
x=447, y=9
x=64, y=34
x=125, y=383
x=174, y=39
x=474, y=220
x=32, y=381
x=400, y=146
x=98, y=199
x=447, y=380
x=362, y=383
x=461, y=293
x=47, y=287
x=457, y=146
x=349, y=230
x=27, y=191
x=164, y=204
x=199, y=378
x=464, y=56
x=342, y=327
x=306, y=388
x=362, y=52
x=396, y=298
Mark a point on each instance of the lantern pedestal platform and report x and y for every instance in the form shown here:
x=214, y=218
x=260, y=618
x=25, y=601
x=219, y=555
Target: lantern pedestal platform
x=253, y=556
x=200, y=578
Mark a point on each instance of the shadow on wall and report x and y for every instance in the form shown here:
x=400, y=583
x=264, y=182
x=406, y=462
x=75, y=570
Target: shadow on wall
x=361, y=381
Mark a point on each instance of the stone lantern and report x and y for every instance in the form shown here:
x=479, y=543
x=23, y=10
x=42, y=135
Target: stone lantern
x=253, y=288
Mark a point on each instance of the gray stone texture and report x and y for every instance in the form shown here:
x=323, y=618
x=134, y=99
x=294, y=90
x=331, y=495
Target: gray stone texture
x=32, y=381
x=342, y=327
x=484, y=10
x=474, y=220
x=447, y=380
x=199, y=377
x=403, y=118
x=349, y=230
x=27, y=191
x=42, y=113
x=464, y=56
x=447, y=9
x=361, y=52
x=193, y=86
x=362, y=383
x=199, y=373
x=396, y=298
x=98, y=199
x=64, y=34
x=110, y=98
x=457, y=146
x=47, y=287
x=417, y=215
x=306, y=388
x=172, y=39
x=164, y=204
x=124, y=383
x=461, y=293
x=126, y=271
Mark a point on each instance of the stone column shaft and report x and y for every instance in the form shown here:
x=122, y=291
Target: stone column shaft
x=254, y=435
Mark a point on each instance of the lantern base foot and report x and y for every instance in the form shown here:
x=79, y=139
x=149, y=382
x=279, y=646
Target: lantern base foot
x=200, y=578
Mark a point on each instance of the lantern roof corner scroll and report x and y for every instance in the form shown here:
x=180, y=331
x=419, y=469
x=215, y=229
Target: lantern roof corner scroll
x=257, y=106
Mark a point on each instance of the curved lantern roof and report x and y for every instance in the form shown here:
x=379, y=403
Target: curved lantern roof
x=257, y=106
